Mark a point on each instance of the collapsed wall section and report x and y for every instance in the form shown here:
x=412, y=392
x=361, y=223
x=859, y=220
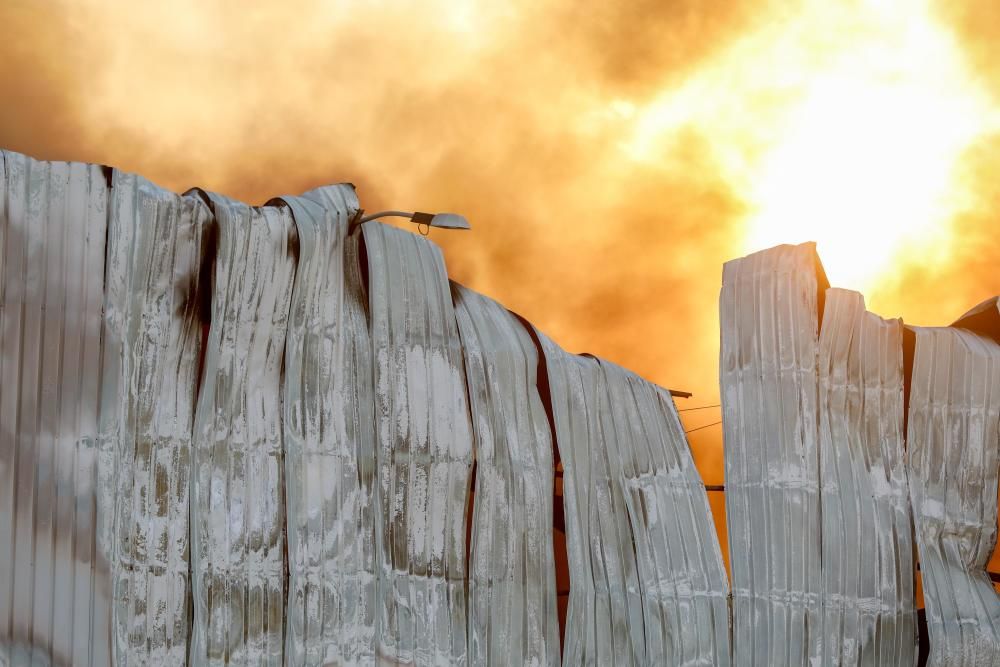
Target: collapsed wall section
x=647, y=580
x=512, y=594
x=329, y=440
x=238, y=486
x=953, y=435
x=869, y=615
x=153, y=345
x=816, y=488
x=768, y=316
x=424, y=452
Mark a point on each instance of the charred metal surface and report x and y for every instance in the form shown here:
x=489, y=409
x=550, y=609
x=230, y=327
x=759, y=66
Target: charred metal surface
x=54, y=583
x=768, y=314
x=869, y=616
x=953, y=439
x=424, y=452
x=153, y=339
x=238, y=490
x=647, y=581
x=512, y=590
x=330, y=441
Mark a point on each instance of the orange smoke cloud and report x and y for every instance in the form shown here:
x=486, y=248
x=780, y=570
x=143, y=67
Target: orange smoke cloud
x=610, y=159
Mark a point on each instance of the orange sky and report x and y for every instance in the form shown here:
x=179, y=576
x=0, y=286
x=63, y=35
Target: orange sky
x=610, y=159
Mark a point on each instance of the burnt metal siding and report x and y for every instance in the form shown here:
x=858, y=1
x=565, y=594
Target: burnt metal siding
x=423, y=451
x=512, y=589
x=54, y=582
x=329, y=441
x=817, y=499
x=768, y=315
x=953, y=436
x=238, y=476
x=153, y=340
x=647, y=581
x=869, y=615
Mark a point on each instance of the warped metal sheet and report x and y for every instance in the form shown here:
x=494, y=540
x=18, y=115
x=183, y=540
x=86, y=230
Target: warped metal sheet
x=424, y=451
x=953, y=440
x=54, y=584
x=768, y=315
x=238, y=487
x=869, y=615
x=153, y=339
x=512, y=590
x=983, y=319
x=330, y=441
x=647, y=580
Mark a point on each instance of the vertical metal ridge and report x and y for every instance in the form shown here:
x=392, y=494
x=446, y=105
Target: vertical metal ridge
x=589, y=625
x=953, y=440
x=330, y=441
x=237, y=490
x=512, y=595
x=424, y=455
x=153, y=344
x=52, y=219
x=682, y=580
x=768, y=317
x=868, y=618
x=647, y=580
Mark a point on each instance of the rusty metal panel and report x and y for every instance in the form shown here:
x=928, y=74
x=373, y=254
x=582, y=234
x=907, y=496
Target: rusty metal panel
x=647, y=580
x=153, y=340
x=424, y=451
x=953, y=440
x=769, y=319
x=330, y=441
x=512, y=589
x=869, y=615
x=54, y=583
x=238, y=487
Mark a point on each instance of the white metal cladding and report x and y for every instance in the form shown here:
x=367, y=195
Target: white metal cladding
x=512, y=589
x=153, y=337
x=768, y=315
x=329, y=440
x=869, y=616
x=238, y=490
x=953, y=439
x=424, y=451
x=54, y=584
x=351, y=419
x=647, y=581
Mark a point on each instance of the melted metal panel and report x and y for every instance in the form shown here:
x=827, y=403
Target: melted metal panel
x=424, y=451
x=330, y=441
x=647, y=580
x=869, y=615
x=153, y=339
x=512, y=593
x=768, y=315
x=54, y=583
x=238, y=490
x=953, y=440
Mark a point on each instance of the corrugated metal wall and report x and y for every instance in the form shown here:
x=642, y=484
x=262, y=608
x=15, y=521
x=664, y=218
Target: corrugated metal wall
x=820, y=483
x=261, y=435
x=954, y=425
x=55, y=584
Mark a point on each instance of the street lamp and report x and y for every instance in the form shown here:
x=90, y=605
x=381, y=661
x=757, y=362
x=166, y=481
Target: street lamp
x=423, y=221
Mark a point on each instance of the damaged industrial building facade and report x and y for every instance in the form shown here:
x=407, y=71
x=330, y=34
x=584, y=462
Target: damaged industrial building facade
x=271, y=435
